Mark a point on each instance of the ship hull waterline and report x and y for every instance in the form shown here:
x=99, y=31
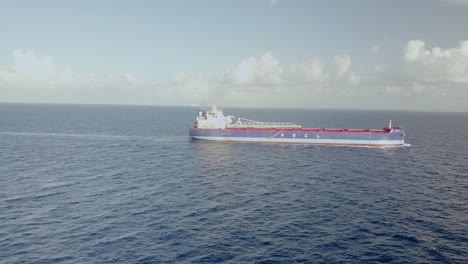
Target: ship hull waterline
x=394, y=138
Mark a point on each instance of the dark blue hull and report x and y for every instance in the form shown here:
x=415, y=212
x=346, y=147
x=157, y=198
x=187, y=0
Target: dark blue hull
x=394, y=137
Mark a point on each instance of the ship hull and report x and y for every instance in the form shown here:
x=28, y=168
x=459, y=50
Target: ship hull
x=395, y=137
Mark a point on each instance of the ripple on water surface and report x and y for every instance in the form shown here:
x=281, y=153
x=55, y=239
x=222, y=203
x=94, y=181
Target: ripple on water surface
x=113, y=184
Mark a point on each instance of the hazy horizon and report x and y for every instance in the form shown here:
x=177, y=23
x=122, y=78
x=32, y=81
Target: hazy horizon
x=224, y=107
x=365, y=55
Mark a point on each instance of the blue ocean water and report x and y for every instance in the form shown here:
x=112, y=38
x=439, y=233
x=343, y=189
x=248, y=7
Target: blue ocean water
x=125, y=184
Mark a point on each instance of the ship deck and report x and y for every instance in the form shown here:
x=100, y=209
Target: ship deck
x=336, y=130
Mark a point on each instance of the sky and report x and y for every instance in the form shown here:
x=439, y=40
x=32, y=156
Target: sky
x=365, y=54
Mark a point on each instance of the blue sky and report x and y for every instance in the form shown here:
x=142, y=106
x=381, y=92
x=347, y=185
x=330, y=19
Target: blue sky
x=327, y=54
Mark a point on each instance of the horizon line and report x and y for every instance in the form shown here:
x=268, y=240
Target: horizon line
x=243, y=107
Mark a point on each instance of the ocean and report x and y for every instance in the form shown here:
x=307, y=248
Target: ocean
x=125, y=184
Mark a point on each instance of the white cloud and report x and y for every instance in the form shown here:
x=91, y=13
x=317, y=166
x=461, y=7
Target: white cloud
x=267, y=74
x=342, y=64
x=36, y=78
x=30, y=69
x=393, y=89
x=308, y=72
x=437, y=65
x=425, y=78
x=379, y=68
x=375, y=49
x=7, y=76
x=191, y=87
x=262, y=71
x=418, y=88
x=415, y=49
x=353, y=79
x=32, y=66
x=406, y=90
x=275, y=83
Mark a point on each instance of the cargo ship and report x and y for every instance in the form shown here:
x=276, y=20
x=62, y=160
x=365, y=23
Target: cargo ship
x=214, y=125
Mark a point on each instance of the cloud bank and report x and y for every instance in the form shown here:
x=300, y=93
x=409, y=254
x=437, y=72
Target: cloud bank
x=35, y=78
x=425, y=78
x=437, y=65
